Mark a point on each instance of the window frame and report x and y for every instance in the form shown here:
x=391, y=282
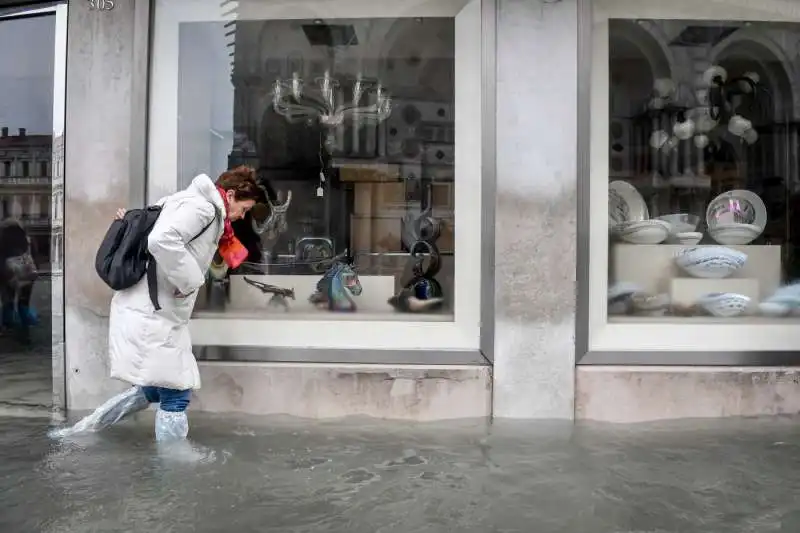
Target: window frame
x=601, y=342
x=469, y=330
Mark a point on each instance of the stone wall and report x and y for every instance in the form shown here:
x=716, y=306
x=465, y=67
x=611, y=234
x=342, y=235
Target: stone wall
x=99, y=115
x=536, y=209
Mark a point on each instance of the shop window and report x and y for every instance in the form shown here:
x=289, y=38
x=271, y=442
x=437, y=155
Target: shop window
x=362, y=120
x=695, y=167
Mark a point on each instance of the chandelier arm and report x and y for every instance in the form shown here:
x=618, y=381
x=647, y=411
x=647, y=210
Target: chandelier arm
x=296, y=112
x=362, y=113
x=306, y=102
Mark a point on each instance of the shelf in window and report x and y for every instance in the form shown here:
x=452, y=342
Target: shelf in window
x=366, y=316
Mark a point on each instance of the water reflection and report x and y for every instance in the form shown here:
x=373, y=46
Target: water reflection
x=298, y=476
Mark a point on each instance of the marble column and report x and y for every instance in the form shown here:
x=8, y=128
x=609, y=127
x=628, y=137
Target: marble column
x=16, y=206
x=33, y=206
x=99, y=114
x=536, y=209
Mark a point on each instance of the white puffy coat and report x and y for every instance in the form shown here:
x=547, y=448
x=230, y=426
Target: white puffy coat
x=149, y=347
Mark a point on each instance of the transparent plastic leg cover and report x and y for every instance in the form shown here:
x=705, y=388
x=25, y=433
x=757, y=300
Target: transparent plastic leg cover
x=111, y=412
x=171, y=426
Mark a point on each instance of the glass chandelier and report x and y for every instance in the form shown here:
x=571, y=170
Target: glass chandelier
x=369, y=103
x=718, y=101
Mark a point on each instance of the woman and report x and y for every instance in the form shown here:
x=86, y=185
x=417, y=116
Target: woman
x=149, y=348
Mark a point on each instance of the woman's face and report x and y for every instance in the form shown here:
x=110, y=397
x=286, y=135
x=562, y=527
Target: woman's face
x=237, y=209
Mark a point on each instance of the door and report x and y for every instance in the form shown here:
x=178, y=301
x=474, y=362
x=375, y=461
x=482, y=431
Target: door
x=32, y=86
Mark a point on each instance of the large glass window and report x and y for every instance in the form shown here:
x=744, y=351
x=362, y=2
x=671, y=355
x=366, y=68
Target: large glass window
x=32, y=53
x=362, y=120
x=697, y=154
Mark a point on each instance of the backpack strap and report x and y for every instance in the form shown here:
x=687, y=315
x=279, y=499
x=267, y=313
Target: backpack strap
x=152, y=282
x=206, y=228
x=152, y=279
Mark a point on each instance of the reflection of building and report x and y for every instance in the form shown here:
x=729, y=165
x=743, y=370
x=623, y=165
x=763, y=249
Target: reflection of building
x=57, y=206
x=25, y=186
x=402, y=165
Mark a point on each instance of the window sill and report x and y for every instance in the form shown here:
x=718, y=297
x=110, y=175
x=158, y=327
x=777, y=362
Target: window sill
x=323, y=316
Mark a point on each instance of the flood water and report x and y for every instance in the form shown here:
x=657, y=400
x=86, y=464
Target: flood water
x=279, y=475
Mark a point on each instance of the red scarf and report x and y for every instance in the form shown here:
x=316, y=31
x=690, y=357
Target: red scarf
x=230, y=248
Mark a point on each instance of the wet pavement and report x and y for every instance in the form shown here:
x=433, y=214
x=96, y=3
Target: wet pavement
x=280, y=475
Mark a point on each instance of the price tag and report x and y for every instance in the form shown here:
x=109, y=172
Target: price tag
x=320, y=192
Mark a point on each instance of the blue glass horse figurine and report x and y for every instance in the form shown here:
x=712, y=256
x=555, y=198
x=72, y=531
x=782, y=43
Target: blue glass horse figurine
x=338, y=286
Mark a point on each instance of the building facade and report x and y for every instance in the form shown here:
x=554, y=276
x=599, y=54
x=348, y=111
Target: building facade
x=390, y=131
x=25, y=186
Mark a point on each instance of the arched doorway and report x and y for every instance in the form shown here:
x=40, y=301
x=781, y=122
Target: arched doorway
x=767, y=166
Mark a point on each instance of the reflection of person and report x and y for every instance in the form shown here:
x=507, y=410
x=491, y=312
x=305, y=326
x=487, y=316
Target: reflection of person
x=18, y=274
x=149, y=348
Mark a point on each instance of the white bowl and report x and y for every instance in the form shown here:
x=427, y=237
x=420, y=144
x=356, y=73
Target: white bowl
x=643, y=231
x=623, y=289
x=687, y=238
x=735, y=233
x=681, y=223
x=650, y=302
x=620, y=297
x=774, y=309
x=715, y=262
x=788, y=295
x=724, y=304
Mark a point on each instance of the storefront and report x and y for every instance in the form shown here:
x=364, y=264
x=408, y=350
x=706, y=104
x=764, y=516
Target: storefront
x=358, y=116
x=538, y=172
x=366, y=122
x=688, y=136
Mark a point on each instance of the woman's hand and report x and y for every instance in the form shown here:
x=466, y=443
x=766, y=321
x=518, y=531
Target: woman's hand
x=120, y=214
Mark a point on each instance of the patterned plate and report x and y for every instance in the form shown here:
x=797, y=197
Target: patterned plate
x=710, y=262
x=625, y=204
x=724, y=304
x=737, y=206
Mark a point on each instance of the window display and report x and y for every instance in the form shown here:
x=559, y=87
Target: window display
x=363, y=140
x=703, y=170
x=700, y=156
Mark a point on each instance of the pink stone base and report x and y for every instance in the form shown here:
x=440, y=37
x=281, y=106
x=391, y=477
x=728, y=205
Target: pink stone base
x=639, y=394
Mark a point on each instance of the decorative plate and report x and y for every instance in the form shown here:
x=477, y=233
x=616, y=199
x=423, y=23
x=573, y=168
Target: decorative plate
x=715, y=262
x=625, y=204
x=643, y=231
x=737, y=206
x=724, y=304
x=733, y=234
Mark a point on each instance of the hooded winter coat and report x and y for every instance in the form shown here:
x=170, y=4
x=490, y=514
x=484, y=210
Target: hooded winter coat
x=153, y=348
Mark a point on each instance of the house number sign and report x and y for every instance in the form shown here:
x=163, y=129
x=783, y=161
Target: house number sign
x=101, y=5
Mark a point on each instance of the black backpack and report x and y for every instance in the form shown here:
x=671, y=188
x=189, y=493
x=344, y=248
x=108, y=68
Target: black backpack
x=123, y=259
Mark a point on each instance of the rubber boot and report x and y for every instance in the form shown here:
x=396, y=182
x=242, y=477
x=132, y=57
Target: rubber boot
x=171, y=426
x=108, y=414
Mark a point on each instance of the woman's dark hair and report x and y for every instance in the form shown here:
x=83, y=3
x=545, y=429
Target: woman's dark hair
x=244, y=184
